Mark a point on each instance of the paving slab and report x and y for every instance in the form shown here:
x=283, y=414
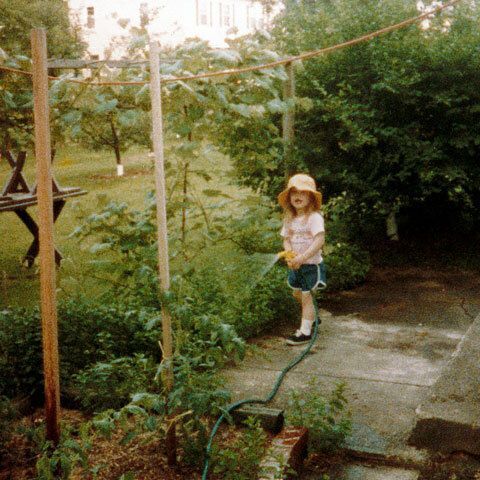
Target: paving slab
x=446, y=298
x=361, y=472
x=449, y=418
x=388, y=369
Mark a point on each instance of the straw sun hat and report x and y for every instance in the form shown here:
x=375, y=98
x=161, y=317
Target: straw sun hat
x=300, y=182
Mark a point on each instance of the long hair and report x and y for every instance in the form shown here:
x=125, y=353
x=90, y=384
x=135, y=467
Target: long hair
x=290, y=213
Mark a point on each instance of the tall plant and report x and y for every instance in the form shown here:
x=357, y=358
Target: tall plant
x=394, y=120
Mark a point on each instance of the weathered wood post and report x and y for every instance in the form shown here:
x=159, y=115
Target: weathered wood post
x=45, y=222
x=163, y=262
x=288, y=123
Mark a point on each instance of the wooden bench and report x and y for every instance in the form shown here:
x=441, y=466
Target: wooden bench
x=16, y=197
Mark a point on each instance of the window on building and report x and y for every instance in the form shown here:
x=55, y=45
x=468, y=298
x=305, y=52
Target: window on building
x=227, y=14
x=90, y=17
x=202, y=12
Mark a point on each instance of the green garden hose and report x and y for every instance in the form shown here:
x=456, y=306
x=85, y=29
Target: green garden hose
x=272, y=394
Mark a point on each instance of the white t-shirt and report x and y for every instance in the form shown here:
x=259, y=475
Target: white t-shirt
x=300, y=232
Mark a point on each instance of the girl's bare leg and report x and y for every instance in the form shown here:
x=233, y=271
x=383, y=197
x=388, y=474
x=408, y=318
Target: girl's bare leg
x=297, y=295
x=308, y=310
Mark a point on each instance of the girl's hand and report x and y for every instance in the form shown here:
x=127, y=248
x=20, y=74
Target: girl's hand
x=296, y=262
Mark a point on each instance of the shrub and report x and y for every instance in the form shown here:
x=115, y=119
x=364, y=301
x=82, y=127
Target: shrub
x=264, y=305
x=241, y=460
x=325, y=417
x=201, y=394
x=257, y=230
x=347, y=266
x=21, y=353
x=111, y=384
x=88, y=333
x=7, y=414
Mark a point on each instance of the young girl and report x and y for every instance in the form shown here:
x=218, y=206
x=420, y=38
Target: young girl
x=303, y=233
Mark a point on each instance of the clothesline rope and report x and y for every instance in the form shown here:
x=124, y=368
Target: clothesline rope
x=277, y=63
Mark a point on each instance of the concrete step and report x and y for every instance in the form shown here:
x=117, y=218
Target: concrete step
x=449, y=419
x=363, y=472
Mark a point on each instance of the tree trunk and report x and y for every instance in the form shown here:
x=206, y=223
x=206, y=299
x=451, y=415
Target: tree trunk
x=184, y=206
x=392, y=227
x=116, y=148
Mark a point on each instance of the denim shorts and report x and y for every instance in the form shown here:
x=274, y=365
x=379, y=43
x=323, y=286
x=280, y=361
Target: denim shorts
x=308, y=277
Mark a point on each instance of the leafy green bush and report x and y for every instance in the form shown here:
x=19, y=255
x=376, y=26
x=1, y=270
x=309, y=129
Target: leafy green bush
x=88, y=333
x=7, y=415
x=111, y=384
x=241, y=459
x=347, y=265
x=326, y=418
x=263, y=306
x=201, y=394
x=71, y=453
x=257, y=230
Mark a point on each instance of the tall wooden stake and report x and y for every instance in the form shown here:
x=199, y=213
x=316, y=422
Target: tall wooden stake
x=163, y=265
x=289, y=119
x=45, y=221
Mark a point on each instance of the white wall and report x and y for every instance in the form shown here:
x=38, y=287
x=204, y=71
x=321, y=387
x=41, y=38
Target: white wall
x=211, y=20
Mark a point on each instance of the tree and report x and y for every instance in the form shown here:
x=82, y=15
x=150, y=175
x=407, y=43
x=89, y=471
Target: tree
x=110, y=117
x=395, y=120
x=17, y=19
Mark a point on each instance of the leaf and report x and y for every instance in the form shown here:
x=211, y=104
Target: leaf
x=100, y=247
x=134, y=410
x=209, y=192
x=72, y=116
x=277, y=106
x=142, y=92
x=228, y=56
x=153, y=322
x=107, y=106
x=128, y=118
x=240, y=108
x=151, y=423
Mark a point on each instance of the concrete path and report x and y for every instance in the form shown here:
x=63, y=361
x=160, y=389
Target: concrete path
x=389, y=349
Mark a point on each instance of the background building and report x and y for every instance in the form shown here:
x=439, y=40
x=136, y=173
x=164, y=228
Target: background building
x=171, y=22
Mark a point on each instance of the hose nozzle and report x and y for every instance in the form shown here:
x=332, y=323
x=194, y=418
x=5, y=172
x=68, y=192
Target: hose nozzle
x=287, y=255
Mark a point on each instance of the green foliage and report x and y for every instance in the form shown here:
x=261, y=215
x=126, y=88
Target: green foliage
x=8, y=413
x=257, y=230
x=88, y=332
x=110, y=384
x=264, y=305
x=347, y=266
x=72, y=452
x=200, y=393
x=389, y=121
x=21, y=354
x=125, y=242
x=109, y=117
x=17, y=19
x=326, y=418
x=241, y=459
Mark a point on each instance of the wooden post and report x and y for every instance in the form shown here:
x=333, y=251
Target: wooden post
x=163, y=263
x=289, y=119
x=45, y=221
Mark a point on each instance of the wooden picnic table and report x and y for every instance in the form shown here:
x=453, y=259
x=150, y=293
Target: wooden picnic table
x=16, y=197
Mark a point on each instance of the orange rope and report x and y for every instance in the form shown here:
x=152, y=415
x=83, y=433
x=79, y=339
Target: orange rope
x=277, y=63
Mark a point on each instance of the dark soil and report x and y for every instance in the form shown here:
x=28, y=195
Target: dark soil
x=144, y=460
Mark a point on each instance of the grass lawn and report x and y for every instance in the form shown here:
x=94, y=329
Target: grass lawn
x=96, y=173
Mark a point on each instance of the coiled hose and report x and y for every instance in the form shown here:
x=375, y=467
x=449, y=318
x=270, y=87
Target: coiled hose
x=272, y=394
